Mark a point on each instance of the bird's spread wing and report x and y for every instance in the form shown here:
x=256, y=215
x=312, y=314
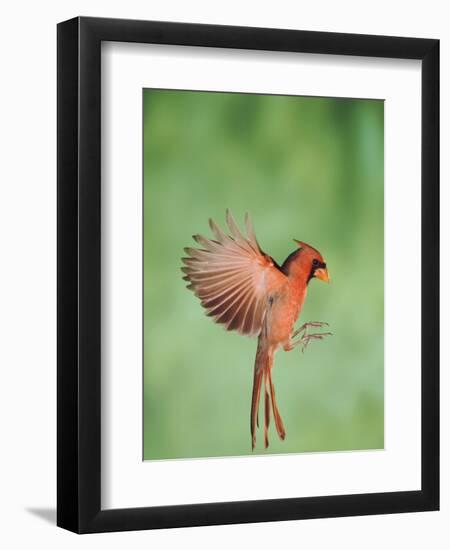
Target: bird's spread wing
x=233, y=277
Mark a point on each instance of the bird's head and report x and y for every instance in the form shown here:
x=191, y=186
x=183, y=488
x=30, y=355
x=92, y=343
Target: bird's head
x=312, y=259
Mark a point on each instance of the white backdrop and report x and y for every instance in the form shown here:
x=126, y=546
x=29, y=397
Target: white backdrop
x=28, y=270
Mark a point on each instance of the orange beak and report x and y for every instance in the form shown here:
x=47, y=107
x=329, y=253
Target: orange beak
x=322, y=274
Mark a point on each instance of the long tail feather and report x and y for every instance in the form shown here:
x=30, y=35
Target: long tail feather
x=276, y=413
x=263, y=365
x=266, y=410
x=257, y=380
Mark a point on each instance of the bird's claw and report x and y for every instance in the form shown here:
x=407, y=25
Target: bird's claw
x=304, y=327
x=304, y=341
x=305, y=338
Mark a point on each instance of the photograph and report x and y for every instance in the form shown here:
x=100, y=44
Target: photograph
x=263, y=274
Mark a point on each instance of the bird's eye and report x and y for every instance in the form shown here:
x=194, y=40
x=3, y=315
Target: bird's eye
x=315, y=262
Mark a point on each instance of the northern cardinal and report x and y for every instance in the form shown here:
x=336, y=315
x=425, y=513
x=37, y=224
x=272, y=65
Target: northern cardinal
x=243, y=288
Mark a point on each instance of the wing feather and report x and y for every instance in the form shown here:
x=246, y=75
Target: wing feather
x=232, y=276
x=251, y=232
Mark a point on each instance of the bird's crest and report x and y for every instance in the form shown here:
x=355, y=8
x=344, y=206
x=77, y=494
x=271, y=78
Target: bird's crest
x=303, y=245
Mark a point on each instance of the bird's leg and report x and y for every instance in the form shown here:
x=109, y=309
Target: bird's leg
x=305, y=338
x=308, y=337
x=304, y=328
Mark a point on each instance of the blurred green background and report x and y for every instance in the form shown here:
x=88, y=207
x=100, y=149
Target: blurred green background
x=306, y=168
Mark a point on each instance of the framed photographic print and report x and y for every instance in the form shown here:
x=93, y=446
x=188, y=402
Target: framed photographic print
x=248, y=258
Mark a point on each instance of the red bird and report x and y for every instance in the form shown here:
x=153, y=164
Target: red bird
x=243, y=288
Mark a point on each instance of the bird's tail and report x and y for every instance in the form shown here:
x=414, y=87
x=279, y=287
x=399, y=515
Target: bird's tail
x=263, y=371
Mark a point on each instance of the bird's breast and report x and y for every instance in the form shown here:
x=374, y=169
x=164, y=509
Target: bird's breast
x=284, y=314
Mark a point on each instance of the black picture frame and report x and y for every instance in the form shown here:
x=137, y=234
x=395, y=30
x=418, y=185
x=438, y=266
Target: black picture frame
x=79, y=275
